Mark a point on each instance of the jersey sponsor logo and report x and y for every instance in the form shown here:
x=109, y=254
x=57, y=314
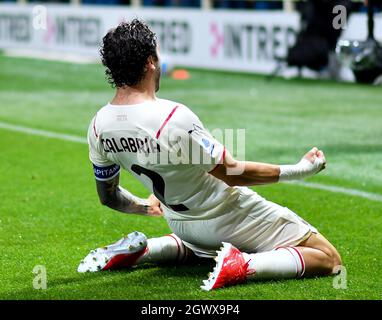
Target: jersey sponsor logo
x=208, y=146
x=202, y=137
x=128, y=144
x=106, y=173
x=206, y=142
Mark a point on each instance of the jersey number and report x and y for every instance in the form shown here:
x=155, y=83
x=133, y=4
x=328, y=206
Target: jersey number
x=158, y=186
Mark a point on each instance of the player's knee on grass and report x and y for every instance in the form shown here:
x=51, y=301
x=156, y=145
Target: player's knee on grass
x=335, y=260
x=328, y=260
x=329, y=263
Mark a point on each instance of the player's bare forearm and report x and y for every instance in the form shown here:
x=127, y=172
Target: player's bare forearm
x=247, y=173
x=256, y=173
x=112, y=195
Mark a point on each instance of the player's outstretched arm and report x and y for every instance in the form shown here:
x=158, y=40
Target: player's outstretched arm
x=248, y=173
x=112, y=195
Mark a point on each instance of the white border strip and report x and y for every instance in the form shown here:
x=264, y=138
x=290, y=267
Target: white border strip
x=311, y=185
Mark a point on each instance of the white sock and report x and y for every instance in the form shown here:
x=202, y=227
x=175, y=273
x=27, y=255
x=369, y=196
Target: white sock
x=164, y=249
x=282, y=263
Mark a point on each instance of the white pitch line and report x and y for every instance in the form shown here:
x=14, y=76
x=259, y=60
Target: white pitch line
x=336, y=189
x=311, y=185
x=43, y=133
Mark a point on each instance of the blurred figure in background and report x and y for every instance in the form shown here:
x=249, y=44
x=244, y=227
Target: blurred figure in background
x=317, y=39
x=364, y=58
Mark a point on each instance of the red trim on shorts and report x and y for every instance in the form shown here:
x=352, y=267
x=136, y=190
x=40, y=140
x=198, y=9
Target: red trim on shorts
x=94, y=128
x=301, y=260
x=220, y=162
x=177, y=244
x=165, y=122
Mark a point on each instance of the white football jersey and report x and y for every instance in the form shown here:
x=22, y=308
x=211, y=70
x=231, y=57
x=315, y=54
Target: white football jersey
x=165, y=146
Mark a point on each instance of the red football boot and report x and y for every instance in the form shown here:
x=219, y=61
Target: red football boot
x=230, y=269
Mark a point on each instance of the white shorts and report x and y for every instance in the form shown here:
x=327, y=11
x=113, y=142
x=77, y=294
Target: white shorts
x=250, y=223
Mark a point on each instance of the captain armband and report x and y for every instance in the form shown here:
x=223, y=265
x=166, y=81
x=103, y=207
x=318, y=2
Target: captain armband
x=106, y=173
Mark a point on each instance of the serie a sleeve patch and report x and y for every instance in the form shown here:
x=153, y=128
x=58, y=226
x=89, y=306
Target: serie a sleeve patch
x=105, y=173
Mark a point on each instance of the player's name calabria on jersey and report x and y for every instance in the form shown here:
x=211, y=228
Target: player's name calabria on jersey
x=176, y=151
x=129, y=144
x=178, y=148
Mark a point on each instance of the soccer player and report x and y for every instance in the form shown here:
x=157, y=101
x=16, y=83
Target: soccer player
x=200, y=187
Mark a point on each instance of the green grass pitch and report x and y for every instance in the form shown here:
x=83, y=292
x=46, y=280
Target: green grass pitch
x=50, y=214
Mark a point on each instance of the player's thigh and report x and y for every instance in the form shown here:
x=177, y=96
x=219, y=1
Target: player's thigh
x=270, y=226
x=319, y=242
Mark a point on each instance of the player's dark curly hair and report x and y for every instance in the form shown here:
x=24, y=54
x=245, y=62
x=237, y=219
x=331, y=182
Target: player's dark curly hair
x=125, y=51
